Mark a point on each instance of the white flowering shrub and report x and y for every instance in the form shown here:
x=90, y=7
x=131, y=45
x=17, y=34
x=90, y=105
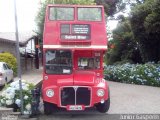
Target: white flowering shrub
x=11, y=95
x=145, y=74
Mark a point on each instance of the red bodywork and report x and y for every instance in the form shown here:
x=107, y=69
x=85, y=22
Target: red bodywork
x=95, y=46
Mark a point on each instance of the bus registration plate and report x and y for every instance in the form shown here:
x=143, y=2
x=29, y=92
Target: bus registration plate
x=75, y=107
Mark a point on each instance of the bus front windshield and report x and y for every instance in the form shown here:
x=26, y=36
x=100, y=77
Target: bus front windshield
x=58, y=62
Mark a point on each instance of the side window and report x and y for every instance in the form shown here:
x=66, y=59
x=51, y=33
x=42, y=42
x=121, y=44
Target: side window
x=8, y=66
x=5, y=67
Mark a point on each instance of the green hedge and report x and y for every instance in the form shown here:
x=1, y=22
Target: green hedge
x=145, y=74
x=10, y=60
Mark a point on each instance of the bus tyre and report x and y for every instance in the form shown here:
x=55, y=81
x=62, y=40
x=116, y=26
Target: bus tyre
x=49, y=108
x=103, y=107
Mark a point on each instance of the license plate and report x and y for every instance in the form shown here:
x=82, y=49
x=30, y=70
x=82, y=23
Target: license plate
x=75, y=107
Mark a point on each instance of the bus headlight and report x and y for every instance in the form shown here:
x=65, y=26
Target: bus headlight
x=50, y=93
x=100, y=93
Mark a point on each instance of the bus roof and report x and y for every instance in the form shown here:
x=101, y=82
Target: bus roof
x=69, y=5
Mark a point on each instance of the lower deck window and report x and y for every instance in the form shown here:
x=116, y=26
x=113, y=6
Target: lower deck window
x=58, y=62
x=89, y=63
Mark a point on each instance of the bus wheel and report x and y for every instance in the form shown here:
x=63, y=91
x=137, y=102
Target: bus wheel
x=49, y=108
x=103, y=107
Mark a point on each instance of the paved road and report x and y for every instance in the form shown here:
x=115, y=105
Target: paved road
x=128, y=98
x=125, y=99
x=33, y=76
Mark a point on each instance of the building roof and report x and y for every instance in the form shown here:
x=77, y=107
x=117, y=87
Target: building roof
x=9, y=37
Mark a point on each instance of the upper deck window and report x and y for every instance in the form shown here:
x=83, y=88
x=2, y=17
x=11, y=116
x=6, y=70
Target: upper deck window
x=61, y=13
x=90, y=14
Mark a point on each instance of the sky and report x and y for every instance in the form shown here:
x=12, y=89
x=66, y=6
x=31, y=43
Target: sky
x=26, y=12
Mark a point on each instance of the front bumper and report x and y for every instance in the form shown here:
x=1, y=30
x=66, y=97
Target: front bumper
x=75, y=95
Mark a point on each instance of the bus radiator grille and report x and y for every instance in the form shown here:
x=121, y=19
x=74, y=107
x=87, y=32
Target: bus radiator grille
x=75, y=96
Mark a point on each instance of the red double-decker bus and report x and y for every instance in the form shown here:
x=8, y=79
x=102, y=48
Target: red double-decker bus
x=74, y=44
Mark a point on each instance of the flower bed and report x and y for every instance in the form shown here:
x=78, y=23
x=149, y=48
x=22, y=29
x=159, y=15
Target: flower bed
x=146, y=74
x=10, y=97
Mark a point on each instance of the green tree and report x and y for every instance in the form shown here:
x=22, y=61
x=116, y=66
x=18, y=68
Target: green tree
x=111, y=7
x=145, y=22
x=123, y=47
x=41, y=13
x=114, y=6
